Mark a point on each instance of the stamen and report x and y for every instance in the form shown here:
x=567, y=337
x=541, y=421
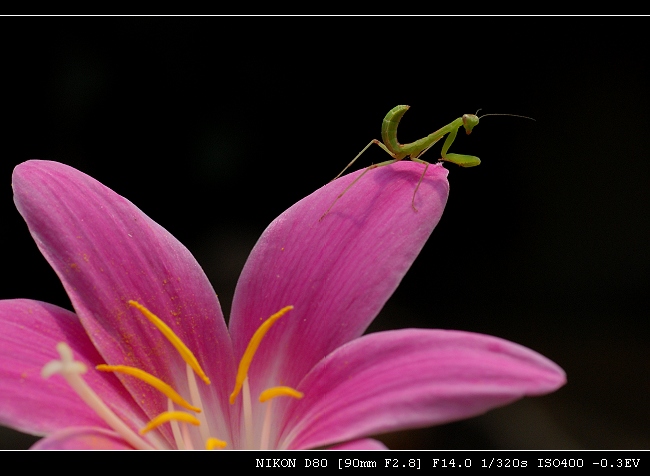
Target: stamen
x=165, y=417
x=187, y=438
x=71, y=371
x=248, y=413
x=182, y=349
x=254, y=343
x=274, y=392
x=269, y=394
x=210, y=442
x=204, y=429
x=151, y=380
x=176, y=429
x=214, y=443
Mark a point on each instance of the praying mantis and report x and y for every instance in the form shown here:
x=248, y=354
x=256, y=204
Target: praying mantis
x=415, y=150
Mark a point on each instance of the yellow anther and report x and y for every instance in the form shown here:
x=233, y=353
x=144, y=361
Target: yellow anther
x=273, y=392
x=151, y=380
x=182, y=349
x=169, y=416
x=214, y=443
x=254, y=343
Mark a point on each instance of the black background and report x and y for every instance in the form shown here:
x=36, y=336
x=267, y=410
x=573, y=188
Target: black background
x=214, y=126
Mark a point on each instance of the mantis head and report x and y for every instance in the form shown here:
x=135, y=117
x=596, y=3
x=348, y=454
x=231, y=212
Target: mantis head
x=469, y=122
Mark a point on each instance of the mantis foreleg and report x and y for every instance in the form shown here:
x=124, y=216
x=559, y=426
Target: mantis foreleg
x=458, y=159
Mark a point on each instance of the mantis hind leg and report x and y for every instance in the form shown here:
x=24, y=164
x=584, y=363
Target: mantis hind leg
x=373, y=166
x=419, y=181
x=374, y=141
x=420, y=161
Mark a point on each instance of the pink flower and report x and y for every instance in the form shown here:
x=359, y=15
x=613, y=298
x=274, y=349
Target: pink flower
x=322, y=282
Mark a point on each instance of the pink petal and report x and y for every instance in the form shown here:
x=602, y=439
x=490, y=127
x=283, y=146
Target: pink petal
x=29, y=332
x=364, y=444
x=412, y=378
x=82, y=439
x=337, y=272
x=107, y=252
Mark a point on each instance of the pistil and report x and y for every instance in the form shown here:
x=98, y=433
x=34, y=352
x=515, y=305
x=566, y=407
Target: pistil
x=71, y=371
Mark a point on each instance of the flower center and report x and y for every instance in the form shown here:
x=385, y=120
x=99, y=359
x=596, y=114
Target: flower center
x=179, y=420
x=241, y=382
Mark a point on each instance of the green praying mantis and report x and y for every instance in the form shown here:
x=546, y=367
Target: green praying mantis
x=415, y=150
